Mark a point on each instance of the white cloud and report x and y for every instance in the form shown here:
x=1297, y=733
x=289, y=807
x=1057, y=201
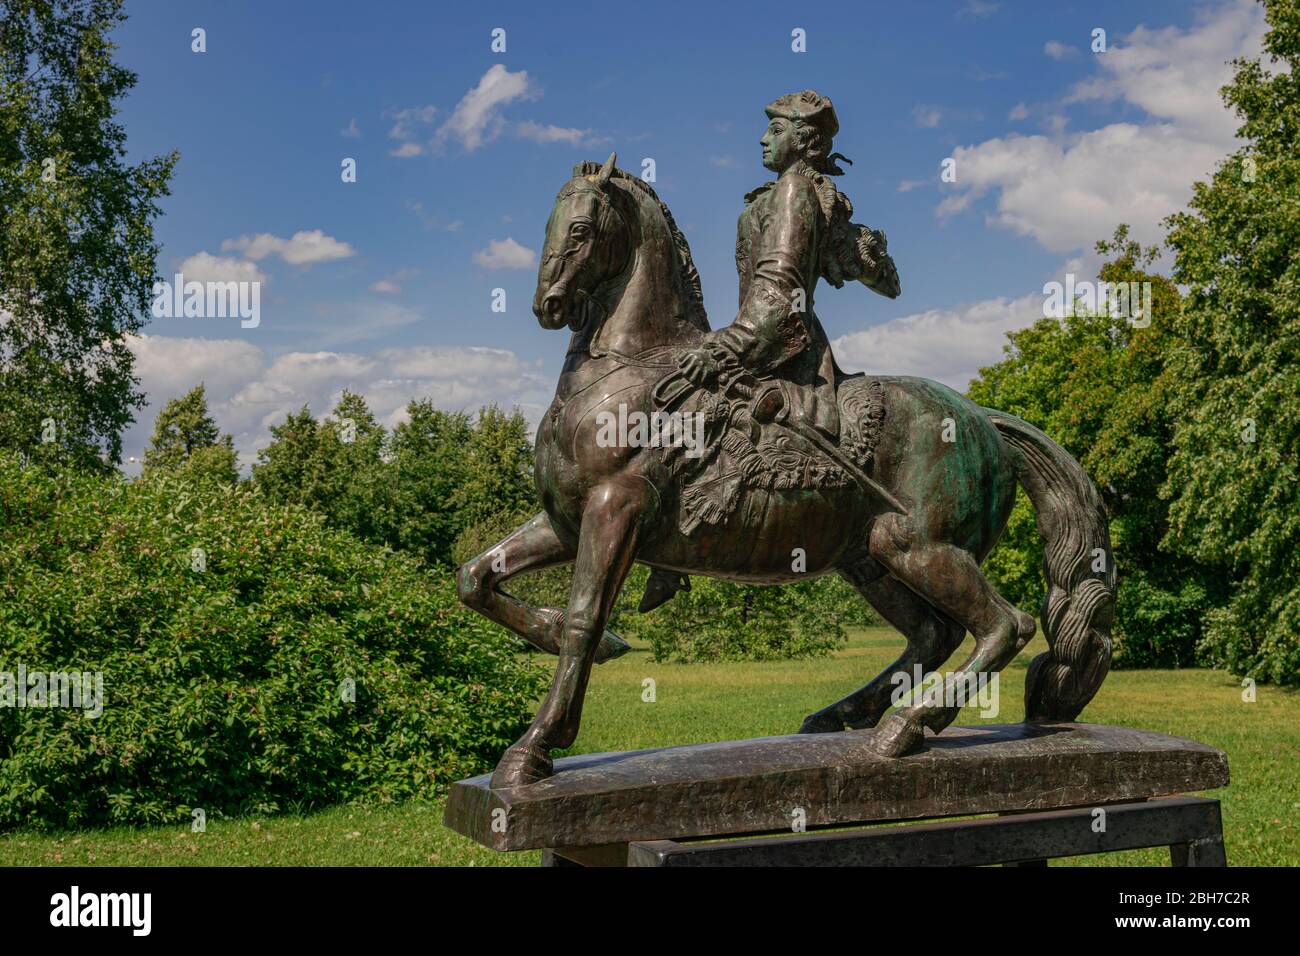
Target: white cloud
x=249, y=391
x=505, y=254
x=541, y=133
x=352, y=130
x=1066, y=191
x=1059, y=51
x=1175, y=74
x=171, y=365
x=949, y=345
x=1018, y=112
x=476, y=118
x=1066, y=194
x=723, y=162
x=205, y=267
x=303, y=248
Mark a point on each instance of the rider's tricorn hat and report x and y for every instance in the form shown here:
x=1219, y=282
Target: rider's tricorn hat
x=808, y=106
x=816, y=110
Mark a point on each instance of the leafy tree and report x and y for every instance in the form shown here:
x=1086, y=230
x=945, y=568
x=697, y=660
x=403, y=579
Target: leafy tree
x=1099, y=384
x=286, y=469
x=500, y=461
x=186, y=439
x=77, y=253
x=353, y=481
x=417, y=490
x=430, y=467
x=336, y=467
x=481, y=472
x=1233, y=478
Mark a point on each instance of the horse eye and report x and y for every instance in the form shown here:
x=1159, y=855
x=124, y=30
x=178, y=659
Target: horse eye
x=580, y=230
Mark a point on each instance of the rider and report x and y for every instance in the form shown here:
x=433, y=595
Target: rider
x=792, y=231
x=779, y=249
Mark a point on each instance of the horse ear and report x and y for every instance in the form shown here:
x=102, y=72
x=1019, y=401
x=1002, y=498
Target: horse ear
x=607, y=170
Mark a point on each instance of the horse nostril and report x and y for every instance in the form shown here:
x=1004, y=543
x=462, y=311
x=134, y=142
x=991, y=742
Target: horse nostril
x=550, y=310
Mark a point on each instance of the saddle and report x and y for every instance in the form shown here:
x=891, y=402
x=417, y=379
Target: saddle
x=747, y=437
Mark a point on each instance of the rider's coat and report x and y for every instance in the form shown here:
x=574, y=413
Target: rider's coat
x=781, y=240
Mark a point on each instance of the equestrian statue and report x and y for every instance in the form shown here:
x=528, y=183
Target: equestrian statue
x=901, y=485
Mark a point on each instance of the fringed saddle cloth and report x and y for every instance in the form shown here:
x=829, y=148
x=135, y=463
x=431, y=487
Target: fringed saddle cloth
x=733, y=450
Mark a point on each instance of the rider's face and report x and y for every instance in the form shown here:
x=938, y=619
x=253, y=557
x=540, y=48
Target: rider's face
x=779, y=146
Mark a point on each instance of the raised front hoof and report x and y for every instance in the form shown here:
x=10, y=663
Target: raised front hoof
x=610, y=647
x=897, y=737
x=821, y=722
x=521, y=766
x=1025, y=628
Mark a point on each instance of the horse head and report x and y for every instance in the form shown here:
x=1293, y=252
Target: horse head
x=588, y=242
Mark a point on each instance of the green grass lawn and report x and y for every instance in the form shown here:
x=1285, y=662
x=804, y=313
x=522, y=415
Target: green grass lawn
x=698, y=703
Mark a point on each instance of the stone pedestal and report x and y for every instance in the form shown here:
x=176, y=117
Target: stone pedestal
x=598, y=805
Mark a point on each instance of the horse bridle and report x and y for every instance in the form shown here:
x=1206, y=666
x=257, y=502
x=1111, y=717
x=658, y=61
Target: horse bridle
x=607, y=206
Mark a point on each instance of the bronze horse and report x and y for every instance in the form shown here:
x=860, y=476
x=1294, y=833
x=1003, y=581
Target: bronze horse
x=910, y=538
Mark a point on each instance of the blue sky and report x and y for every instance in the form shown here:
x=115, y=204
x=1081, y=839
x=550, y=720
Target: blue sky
x=384, y=285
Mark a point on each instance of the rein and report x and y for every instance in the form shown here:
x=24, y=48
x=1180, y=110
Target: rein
x=636, y=361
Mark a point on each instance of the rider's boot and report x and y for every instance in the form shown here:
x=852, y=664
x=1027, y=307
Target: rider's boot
x=661, y=586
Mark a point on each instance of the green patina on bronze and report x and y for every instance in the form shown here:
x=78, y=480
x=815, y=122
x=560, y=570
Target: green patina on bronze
x=774, y=464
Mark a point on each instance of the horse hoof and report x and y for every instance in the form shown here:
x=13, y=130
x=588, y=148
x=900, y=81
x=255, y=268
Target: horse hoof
x=897, y=737
x=610, y=647
x=1025, y=628
x=822, y=722
x=521, y=766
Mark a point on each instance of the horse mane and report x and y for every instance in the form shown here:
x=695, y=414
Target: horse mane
x=686, y=273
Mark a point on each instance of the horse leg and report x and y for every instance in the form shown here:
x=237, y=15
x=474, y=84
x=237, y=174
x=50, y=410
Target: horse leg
x=533, y=546
x=931, y=639
x=948, y=577
x=612, y=520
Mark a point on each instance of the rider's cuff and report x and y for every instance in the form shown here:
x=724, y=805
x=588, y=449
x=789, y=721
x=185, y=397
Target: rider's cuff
x=730, y=347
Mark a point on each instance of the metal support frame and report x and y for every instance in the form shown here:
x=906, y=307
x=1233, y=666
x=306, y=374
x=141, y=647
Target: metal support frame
x=1190, y=826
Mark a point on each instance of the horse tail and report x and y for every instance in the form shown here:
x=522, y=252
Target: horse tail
x=1077, y=561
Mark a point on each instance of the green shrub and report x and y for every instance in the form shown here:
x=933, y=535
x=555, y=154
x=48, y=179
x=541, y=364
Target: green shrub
x=1159, y=619
x=726, y=621
x=1236, y=641
x=224, y=669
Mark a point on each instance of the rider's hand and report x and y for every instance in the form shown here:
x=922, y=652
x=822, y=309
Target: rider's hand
x=698, y=367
